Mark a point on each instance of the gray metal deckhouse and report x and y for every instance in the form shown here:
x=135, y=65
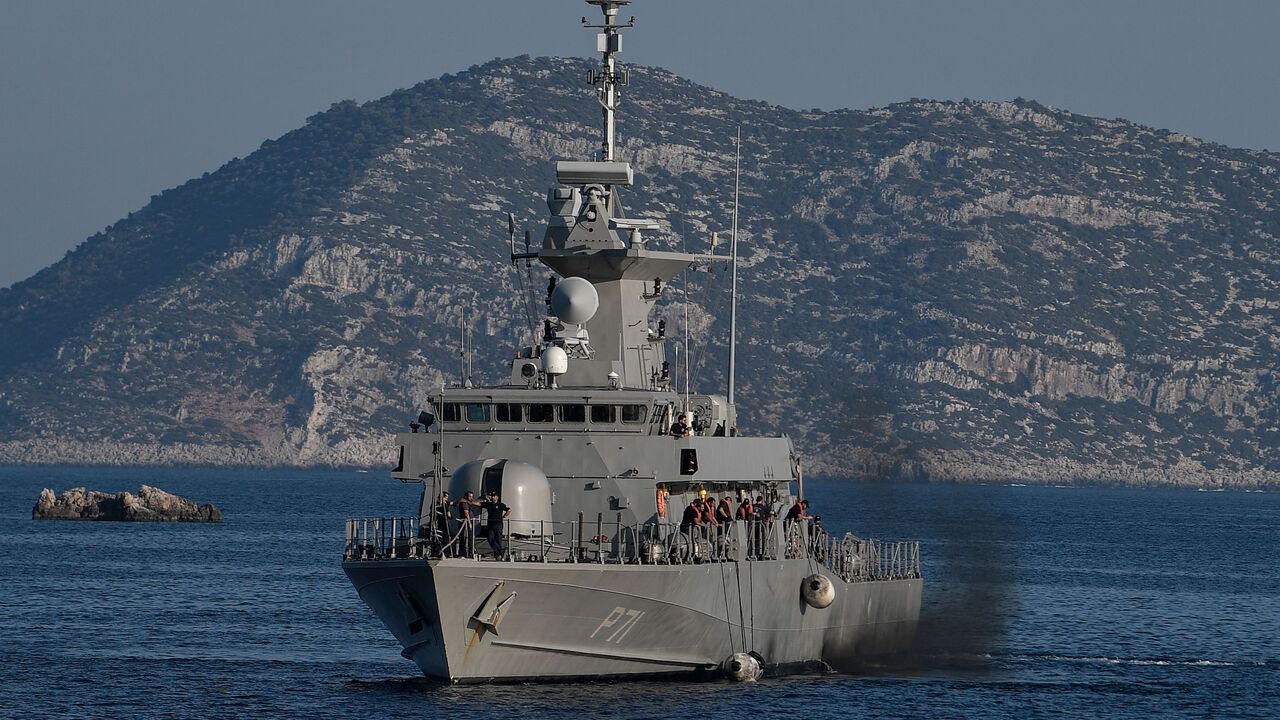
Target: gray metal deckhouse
x=604, y=560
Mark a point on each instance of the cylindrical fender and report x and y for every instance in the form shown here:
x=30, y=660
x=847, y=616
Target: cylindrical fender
x=818, y=591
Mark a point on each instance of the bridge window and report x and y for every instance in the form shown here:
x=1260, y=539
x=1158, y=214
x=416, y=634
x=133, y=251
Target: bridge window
x=452, y=412
x=509, y=412
x=633, y=413
x=477, y=413
x=603, y=414
x=573, y=413
x=541, y=413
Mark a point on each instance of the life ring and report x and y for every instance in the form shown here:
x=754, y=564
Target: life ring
x=662, y=503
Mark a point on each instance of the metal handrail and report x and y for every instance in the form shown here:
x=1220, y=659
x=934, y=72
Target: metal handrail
x=600, y=541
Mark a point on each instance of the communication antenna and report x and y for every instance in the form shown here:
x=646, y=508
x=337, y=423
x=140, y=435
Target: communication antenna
x=684, y=277
x=687, y=354
x=733, y=291
x=608, y=77
x=525, y=291
x=676, y=350
x=467, y=340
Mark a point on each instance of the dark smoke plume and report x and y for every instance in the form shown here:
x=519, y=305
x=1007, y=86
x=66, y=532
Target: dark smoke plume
x=967, y=545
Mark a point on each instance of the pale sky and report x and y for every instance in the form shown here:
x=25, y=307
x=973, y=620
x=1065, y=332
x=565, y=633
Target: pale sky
x=104, y=104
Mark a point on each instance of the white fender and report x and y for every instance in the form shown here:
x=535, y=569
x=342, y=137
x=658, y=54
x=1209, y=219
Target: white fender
x=818, y=591
x=742, y=667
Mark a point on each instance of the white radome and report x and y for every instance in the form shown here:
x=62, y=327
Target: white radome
x=555, y=361
x=574, y=300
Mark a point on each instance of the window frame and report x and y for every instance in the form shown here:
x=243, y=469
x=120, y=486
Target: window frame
x=518, y=417
x=563, y=417
x=484, y=417
x=613, y=413
x=644, y=413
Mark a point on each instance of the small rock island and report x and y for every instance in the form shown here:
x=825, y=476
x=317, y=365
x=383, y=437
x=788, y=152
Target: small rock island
x=149, y=505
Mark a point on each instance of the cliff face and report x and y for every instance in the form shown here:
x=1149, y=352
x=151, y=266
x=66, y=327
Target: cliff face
x=960, y=291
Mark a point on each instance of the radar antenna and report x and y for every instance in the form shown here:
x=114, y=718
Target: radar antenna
x=608, y=77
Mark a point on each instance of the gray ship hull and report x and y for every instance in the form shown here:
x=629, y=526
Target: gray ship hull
x=464, y=621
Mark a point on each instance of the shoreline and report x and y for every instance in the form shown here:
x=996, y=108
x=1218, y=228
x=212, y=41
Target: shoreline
x=940, y=467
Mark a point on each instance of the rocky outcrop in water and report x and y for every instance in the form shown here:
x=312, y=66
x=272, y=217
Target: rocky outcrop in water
x=149, y=505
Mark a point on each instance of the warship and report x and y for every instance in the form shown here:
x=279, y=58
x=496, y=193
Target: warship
x=597, y=553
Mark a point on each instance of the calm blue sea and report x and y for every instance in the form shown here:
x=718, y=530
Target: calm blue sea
x=1038, y=602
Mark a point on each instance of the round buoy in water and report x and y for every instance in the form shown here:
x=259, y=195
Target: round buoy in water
x=742, y=667
x=818, y=591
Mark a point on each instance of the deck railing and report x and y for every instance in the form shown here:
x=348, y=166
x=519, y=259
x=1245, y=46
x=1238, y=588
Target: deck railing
x=595, y=540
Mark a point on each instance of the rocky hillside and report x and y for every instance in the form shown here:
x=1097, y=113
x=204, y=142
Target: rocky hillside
x=959, y=291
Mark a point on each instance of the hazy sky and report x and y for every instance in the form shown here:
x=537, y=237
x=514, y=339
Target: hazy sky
x=105, y=103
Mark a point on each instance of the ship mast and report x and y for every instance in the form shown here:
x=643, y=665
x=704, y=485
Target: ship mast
x=608, y=77
x=733, y=292
x=589, y=237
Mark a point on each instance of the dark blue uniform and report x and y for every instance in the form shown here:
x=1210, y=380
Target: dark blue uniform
x=493, y=528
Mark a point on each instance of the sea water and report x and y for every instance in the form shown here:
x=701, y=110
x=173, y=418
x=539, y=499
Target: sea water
x=1038, y=602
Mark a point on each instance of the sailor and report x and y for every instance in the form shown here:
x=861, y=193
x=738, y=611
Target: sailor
x=466, y=534
x=692, y=516
x=709, y=511
x=817, y=540
x=441, y=514
x=724, y=511
x=746, y=511
x=799, y=511
x=680, y=428
x=816, y=534
x=711, y=528
x=496, y=511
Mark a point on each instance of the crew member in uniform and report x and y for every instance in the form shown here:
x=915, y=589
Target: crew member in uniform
x=692, y=516
x=467, y=536
x=497, y=512
x=799, y=511
x=680, y=428
x=442, y=518
x=724, y=511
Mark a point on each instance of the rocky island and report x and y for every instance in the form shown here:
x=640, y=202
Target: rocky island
x=981, y=291
x=149, y=505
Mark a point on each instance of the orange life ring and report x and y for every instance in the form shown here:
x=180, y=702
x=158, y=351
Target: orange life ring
x=662, y=503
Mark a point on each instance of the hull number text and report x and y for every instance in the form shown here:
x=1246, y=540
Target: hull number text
x=616, y=626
